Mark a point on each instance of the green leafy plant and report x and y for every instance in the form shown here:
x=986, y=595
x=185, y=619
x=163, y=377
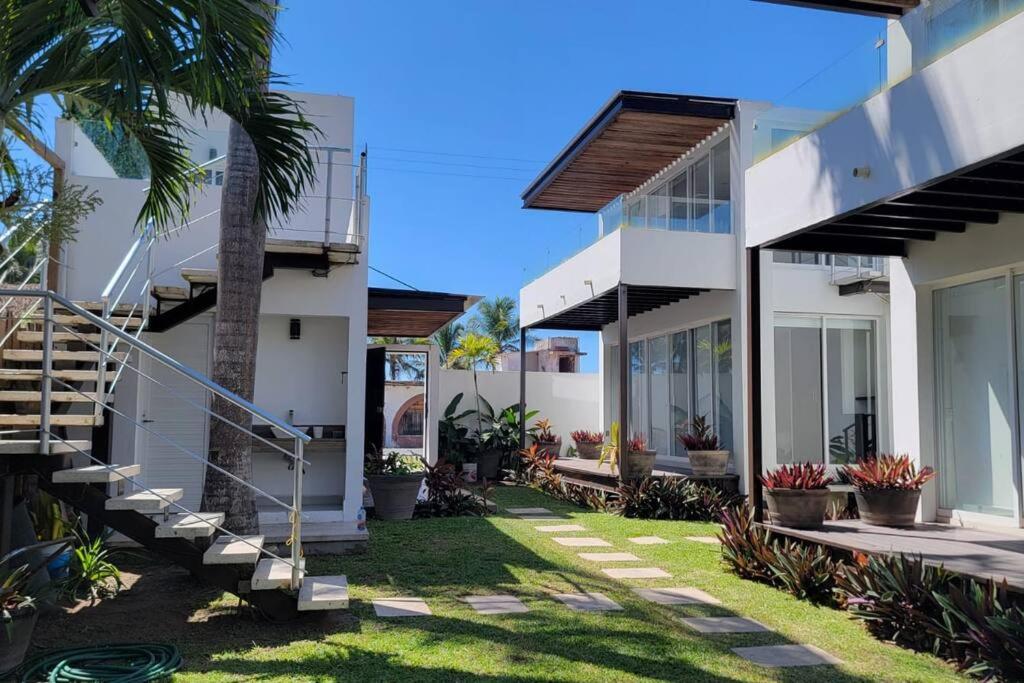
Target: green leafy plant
x=391, y=464
x=92, y=575
x=15, y=596
x=453, y=440
x=985, y=630
x=582, y=436
x=698, y=435
x=888, y=472
x=501, y=431
x=804, y=476
x=610, y=450
x=475, y=350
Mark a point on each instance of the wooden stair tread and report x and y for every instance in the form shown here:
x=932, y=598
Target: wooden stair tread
x=144, y=501
x=34, y=337
x=69, y=319
x=31, y=446
x=190, y=525
x=95, y=474
x=58, y=420
x=55, y=396
x=168, y=293
x=36, y=355
x=34, y=375
x=231, y=550
x=272, y=573
x=323, y=593
x=199, y=276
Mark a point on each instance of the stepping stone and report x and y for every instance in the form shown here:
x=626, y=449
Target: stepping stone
x=401, y=607
x=710, y=540
x=496, y=604
x=610, y=557
x=588, y=602
x=581, y=542
x=648, y=540
x=529, y=511
x=319, y=593
x=560, y=527
x=636, y=573
x=778, y=656
x=713, y=625
x=677, y=596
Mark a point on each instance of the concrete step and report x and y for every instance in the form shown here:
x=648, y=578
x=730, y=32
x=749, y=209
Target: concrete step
x=144, y=501
x=55, y=396
x=96, y=474
x=31, y=446
x=272, y=573
x=199, y=276
x=62, y=420
x=36, y=355
x=36, y=337
x=323, y=593
x=231, y=550
x=34, y=374
x=190, y=525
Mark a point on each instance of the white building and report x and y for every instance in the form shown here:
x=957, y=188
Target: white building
x=664, y=176
x=928, y=169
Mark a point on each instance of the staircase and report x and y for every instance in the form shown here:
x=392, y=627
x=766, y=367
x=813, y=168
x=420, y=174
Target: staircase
x=59, y=366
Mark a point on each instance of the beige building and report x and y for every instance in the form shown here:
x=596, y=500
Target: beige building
x=555, y=354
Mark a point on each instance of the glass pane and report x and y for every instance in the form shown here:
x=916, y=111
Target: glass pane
x=701, y=181
x=972, y=361
x=852, y=394
x=703, y=371
x=657, y=208
x=723, y=382
x=635, y=214
x=798, y=409
x=658, y=437
x=681, y=389
x=637, y=369
x=679, y=189
x=613, y=384
x=722, y=206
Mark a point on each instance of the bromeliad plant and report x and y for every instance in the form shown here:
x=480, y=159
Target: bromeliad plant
x=803, y=477
x=888, y=472
x=698, y=435
x=582, y=436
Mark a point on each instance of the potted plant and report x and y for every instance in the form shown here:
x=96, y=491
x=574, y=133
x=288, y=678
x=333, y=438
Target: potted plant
x=588, y=444
x=888, y=488
x=547, y=441
x=639, y=462
x=797, y=495
x=394, y=480
x=501, y=434
x=707, y=457
x=18, y=613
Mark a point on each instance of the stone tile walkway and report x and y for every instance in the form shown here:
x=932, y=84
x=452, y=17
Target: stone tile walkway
x=648, y=540
x=581, y=542
x=609, y=557
x=712, y=625
x=401, y=607
x=778, y=656
x=677, y=596
x=709, y=540
x=636, y=573
x=496, y=604
x=557, y=528
x=589, y=602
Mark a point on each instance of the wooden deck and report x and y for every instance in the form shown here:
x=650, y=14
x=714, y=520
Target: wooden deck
x=982, y=554
x=585, y=472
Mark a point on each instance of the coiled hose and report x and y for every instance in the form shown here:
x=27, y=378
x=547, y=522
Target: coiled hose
x=133, y=663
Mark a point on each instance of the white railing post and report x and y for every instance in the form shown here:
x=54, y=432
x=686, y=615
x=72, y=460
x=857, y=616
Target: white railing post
x=101, y=365
x=297, y=517
x=44, y=379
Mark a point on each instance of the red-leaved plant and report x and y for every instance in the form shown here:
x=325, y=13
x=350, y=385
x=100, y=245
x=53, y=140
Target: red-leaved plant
x=699, y=435
x=890, y=472
x=637, y=444
x=803, y=476
x=582, y=436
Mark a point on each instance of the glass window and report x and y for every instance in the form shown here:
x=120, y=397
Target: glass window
x=681, y=389
x=679, y=191
x=613, y=384
x=723, y=382
x=637, y=395
x=702, y=364
x=658, y=388
x=657, y=208
x=972, y=358
x=798, y=400
x=722, y=214
x=852, y=408
x=700, y=180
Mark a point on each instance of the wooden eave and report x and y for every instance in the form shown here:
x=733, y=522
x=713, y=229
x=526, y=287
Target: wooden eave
x=880, y=8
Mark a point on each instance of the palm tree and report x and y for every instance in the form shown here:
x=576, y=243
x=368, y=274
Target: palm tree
x=403, y=365
x=476, y=350
x=497, y=319
x=447, y=340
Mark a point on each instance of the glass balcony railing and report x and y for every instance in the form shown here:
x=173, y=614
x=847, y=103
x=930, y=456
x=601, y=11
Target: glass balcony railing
x=663, y=212
x=904, y=47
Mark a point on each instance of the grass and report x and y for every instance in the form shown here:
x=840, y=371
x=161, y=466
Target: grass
x=442, y=560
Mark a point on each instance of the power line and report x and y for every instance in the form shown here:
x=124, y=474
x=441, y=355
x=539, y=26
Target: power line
x=457, y=175
x=392, y=277
x=453, y=163
x=452, y=154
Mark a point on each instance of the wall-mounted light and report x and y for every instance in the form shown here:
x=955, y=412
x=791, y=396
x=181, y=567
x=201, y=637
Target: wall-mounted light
x=862, y=172
x=295, y=329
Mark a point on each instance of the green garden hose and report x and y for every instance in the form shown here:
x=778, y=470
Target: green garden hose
x=131, y=663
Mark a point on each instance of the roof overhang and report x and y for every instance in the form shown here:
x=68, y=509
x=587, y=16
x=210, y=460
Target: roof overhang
x=595, y=313
x=878, y=8
x=412, y=313
x=635, y=135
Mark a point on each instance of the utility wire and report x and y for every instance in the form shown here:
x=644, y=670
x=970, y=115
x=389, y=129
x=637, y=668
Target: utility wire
x=452, y=154
x=392, y=277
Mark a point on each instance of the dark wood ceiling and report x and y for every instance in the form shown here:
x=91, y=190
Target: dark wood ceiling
x=411, y=313
x=603, y=309
x=976, y=195
x=881, y=8
x=633, y=137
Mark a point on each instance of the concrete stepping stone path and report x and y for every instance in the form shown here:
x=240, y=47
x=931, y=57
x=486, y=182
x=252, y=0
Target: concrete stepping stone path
x=712, y=625
x=709, y=540
x=648, y=540
x=557, y=528
x=537, y=514
x=609, y=557
x=581, y=542
x=779, y=656
x=496, y=604
x=589, y=602
x=636, y=573
x=677, y=596
x=401, y=607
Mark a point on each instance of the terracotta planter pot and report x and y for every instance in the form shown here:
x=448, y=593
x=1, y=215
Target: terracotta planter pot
x=888, y=507
x=639, y=464
x=797, y=508
x=709, y=463
x=589, y=451
x=552, y=448
x=14, y=640
x=487, y=464
x=394, y=496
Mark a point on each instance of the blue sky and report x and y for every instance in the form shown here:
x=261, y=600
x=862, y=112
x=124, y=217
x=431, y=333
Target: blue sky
x=461, y=104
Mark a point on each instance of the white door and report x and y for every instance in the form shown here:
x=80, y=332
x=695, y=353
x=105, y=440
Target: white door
x=172, y=425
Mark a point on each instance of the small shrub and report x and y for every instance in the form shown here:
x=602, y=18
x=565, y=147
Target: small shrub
x=544, y=432
x=888, y=472
x=746, y=547
x=806, y=570
x=698, y=435
x=805, y=476
x=447, y=496
x=582, y=436
x=393, y=463
x=91, y=575
x=671, y=498
x=985, y=630
x=637, y=443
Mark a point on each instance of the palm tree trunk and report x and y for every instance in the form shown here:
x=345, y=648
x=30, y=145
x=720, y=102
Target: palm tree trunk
x=239, y=286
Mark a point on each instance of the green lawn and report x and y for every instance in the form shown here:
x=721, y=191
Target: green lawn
x=441, y=560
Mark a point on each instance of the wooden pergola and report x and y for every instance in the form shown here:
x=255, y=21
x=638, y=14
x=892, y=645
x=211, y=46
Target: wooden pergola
x=881, y=8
